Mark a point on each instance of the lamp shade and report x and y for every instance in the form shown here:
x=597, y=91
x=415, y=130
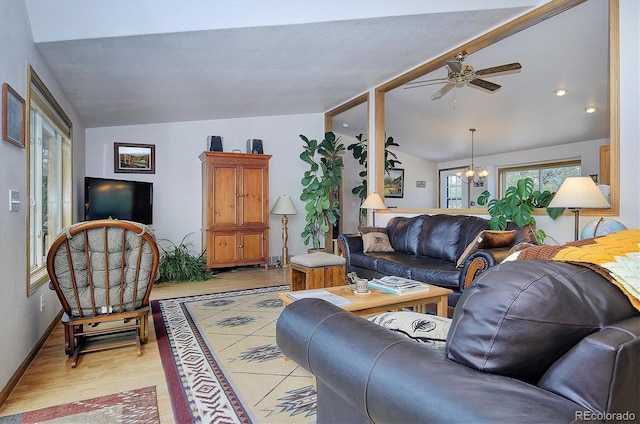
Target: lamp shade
x=373, y=201
x=284, y=206
x=579, y=193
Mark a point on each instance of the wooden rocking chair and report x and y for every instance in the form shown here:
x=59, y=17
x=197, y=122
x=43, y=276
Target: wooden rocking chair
x=103, y=271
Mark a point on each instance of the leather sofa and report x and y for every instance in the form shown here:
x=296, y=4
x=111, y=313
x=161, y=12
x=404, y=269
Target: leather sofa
x=530, y=342
x=427, y=248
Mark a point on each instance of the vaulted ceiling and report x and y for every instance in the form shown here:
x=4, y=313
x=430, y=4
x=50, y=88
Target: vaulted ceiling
x=127, y=62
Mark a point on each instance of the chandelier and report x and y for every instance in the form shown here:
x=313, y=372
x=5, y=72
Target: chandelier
x=474, y=174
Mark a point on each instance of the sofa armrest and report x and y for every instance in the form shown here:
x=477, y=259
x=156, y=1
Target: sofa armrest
x=348, y=244
x=384, y=377
x=479, y=261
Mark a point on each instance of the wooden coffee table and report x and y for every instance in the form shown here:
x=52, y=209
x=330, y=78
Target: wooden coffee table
x=378, y=301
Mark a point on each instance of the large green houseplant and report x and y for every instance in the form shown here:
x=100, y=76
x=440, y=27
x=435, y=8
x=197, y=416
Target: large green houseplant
x=360, y=151
x=517, y=205
x=319, y=185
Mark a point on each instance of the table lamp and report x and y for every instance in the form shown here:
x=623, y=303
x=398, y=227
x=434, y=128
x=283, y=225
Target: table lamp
x=577, y=193
x=373, y=202
x=284, y=206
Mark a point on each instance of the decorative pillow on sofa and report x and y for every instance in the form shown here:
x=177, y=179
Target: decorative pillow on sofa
x=487, y=239
x=376, y=242
x=428, y=329
x=368, y=229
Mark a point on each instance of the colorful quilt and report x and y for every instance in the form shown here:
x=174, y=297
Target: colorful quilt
x=615, y=256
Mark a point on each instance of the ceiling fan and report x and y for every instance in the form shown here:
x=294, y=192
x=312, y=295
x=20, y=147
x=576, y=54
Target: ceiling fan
x=458, y=75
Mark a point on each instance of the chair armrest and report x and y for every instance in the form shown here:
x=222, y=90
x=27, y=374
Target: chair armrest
x=387, y=378
x=479, y=261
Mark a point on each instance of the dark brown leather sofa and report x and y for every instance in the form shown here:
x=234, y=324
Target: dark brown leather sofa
x=427, y=248
x=530, y=342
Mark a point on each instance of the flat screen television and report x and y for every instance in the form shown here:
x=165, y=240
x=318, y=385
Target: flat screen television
x=118, y=199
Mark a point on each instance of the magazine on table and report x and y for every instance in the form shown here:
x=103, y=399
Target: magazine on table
x=414, y=287
x=320, y=294
x=400, y=282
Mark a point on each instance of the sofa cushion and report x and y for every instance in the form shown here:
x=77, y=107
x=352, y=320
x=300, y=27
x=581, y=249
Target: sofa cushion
x=404, y=233
x=376, y=242
x=439, y=272
x=518, y=318
x=487, y=239
x=440, y=236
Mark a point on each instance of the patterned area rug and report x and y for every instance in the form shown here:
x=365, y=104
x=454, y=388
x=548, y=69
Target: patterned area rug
x=222, y=363
x=138, y=406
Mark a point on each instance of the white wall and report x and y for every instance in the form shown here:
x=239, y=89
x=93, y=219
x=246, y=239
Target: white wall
x=416, y=169
x=177, y=182
x=22, y=322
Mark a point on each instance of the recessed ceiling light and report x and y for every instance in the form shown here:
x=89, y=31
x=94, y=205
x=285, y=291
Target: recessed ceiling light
x=345, y=125
x=591, y=109
x=561, y=92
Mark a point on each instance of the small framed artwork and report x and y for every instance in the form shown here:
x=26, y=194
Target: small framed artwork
x=134, y=158
x=394, y=183
x=13, y=108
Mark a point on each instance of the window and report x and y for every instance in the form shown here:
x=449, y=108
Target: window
x=453, y=193
x=49, y=188
x=547, y=176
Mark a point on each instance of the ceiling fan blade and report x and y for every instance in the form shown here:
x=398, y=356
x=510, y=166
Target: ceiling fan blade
x=484, y=84
x=498, y=69
x=425, y=81
x=444, y=90
x=456, y=67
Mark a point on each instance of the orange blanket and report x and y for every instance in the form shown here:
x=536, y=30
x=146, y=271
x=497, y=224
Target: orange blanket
x=615, y=256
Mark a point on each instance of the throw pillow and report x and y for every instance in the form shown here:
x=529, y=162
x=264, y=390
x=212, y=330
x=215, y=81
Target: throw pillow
x=367, y=229
x=376, y=242
x=487, y=239
x=431, y=330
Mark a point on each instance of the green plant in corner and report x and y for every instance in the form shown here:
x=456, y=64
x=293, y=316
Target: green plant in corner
x=517, y=205
x=319, y=185
x=180, y=263
x=360, y=152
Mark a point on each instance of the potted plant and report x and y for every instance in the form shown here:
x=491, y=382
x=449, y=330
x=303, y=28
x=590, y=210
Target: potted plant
x=180, y=263
x=319, y=185
x=360, y=152
x=517, y=205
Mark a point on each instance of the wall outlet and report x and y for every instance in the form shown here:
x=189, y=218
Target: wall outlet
x=42, y=302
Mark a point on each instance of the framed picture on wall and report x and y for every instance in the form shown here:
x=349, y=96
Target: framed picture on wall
x=134, y=158
x=394, y=183
x=13, y=117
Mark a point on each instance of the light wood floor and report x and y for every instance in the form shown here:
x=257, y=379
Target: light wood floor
x=50, y=380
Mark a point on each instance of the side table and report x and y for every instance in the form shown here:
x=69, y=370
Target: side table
x=317, y=270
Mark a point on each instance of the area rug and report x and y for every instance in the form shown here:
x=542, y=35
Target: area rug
x=139, y=406
x=222, y=363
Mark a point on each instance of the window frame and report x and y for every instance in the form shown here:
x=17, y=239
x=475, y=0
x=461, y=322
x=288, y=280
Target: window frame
x=47, y=103
x=537, y=166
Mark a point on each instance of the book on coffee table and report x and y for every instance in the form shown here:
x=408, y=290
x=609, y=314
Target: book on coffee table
x=320, y=294
x=398, y=285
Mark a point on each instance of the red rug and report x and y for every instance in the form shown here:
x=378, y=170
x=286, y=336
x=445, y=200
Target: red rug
x=139, y=406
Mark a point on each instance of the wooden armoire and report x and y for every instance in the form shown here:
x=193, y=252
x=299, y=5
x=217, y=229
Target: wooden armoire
x=235, y=208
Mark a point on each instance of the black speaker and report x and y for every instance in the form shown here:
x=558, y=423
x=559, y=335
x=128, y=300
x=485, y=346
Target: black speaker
x=254, y=145
x=215, y=143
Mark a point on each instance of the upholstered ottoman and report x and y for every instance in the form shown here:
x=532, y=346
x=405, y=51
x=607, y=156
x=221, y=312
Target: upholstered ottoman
x=317, y=270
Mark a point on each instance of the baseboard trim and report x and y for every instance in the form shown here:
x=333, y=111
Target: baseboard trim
x=13, y=381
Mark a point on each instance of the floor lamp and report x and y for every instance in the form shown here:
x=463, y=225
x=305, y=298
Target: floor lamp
x=284, y=206
x=577, y=193
x=373, y=202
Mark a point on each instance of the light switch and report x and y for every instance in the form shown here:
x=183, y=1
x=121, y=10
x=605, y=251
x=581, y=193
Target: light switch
x=14, y=201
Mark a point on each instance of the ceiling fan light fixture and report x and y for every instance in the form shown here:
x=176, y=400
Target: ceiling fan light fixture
x=561, y=92
x=591, y=109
